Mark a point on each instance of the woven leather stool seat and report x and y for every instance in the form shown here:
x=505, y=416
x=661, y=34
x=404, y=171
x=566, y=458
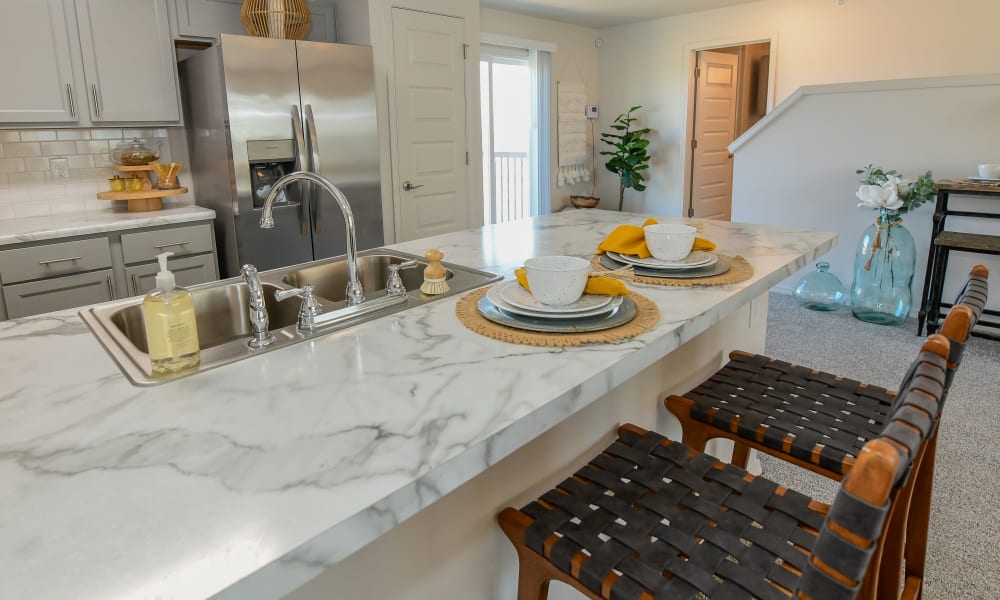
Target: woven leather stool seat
x=639, y=508
x=650, y=518
x=764, y=400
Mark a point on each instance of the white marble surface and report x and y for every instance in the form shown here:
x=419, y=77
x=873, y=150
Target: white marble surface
x=86, y=222
x=246, y=481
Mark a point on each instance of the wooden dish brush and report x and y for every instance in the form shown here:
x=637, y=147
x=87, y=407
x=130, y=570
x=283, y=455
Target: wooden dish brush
x=435, y=276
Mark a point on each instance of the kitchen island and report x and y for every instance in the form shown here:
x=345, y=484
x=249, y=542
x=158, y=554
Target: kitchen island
x=251, y=480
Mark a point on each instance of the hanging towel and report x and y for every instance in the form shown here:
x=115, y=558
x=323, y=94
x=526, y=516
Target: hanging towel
x=572, y=100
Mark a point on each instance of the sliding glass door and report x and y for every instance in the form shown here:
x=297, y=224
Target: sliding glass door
x=511, y=113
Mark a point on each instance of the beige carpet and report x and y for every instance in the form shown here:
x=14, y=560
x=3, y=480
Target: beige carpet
x=964, y=547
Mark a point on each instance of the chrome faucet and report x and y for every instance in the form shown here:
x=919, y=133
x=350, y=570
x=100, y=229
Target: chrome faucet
x=258, y=309
x=355, y=293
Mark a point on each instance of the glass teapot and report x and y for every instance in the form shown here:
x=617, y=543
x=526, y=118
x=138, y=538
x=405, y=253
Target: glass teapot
x=135, y=153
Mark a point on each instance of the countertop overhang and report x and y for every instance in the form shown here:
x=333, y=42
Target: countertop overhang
x=247, y=481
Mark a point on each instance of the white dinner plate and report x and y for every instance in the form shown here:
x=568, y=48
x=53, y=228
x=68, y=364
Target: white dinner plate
x=696, y=260
x=493, y=295
x=513, y=293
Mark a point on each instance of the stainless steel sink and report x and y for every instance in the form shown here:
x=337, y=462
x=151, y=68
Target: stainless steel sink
x=329, y=279
x=222, y=310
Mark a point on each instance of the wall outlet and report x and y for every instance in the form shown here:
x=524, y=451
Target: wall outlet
x=60, y=168
x=591, y=111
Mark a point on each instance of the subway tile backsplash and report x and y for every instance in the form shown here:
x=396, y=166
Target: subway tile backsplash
x=28, y=186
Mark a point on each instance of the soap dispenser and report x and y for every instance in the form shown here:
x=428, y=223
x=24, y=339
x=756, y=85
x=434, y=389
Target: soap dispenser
x=171, y=328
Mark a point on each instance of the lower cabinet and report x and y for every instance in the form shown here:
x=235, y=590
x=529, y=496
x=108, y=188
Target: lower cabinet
x=58, y=293
x=38, y=278
x=187, y=271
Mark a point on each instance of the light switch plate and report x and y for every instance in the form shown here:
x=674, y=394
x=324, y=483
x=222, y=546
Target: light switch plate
x=59, y=168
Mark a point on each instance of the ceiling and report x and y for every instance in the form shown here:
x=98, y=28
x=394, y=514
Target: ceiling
x=605, y=13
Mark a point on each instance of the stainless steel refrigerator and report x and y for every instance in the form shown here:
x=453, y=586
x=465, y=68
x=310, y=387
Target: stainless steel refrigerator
x=259, y=108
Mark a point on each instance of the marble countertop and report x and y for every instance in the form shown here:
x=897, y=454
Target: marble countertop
x=86, y=222
x=247, y=481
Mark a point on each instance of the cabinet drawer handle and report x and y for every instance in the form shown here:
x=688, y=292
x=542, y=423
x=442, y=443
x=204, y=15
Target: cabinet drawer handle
x=162, y=246
x=59, y=260
x=135, y=284
x=97, y=103
x=69, y=94
x=111, y=289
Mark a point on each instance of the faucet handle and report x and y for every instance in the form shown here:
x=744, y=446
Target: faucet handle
x=310, y=308
x=395, y=287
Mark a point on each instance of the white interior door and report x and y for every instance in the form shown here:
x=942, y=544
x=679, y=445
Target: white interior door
x=714, y=129
x=429, y=106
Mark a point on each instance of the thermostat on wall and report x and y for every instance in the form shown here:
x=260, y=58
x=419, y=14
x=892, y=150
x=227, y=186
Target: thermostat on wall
x=591, y=111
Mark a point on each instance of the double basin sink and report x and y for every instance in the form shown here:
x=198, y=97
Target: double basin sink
x=222, y=310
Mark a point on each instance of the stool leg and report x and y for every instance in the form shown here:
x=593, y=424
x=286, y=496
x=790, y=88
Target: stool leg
x=741, y=455
x=937, y=290
x=918, y=522
x=693, y=433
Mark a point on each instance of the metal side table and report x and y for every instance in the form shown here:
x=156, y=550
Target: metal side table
x=943, y=243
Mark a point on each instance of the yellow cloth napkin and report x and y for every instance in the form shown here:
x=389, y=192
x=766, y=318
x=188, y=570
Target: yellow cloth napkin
x=602, y=286
x=629, y=239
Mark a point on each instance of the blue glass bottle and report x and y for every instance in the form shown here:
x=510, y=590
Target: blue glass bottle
x=883, y=272
x=821, y=290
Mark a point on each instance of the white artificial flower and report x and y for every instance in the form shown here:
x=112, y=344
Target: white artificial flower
x=885, y=195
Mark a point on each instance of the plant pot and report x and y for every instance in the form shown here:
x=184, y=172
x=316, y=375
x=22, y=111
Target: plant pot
x=584, y=201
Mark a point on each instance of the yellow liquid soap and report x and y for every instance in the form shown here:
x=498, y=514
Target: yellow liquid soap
x=171, y=327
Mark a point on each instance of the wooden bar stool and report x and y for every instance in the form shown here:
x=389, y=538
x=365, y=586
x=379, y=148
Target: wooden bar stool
x=816, y=420
x=650, y=518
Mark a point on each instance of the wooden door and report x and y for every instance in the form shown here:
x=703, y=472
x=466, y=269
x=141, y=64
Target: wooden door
x=716, y=78
x=429, y=123
x=37, y=71
x=128, y=60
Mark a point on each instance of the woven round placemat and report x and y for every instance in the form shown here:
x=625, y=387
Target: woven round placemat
x=739, y=270
x=647, y=314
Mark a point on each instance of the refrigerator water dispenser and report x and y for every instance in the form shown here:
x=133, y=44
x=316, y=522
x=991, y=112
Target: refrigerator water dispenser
x=270, y=160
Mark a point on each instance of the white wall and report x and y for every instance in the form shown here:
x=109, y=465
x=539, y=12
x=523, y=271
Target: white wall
x=818, y=42
x=575, y=60
x=798, y=169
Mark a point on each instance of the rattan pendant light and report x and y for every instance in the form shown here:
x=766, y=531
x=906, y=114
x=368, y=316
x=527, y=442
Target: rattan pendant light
x=284, y=19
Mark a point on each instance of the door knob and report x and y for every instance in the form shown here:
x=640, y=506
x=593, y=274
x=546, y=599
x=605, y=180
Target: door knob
x=409, y=187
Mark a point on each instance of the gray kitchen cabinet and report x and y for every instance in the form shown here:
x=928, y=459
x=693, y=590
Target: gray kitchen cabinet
x=58, y=293
x=203, y=20
x=39, y=277
x=128, y=61
x=37, y=71
x=187, y=271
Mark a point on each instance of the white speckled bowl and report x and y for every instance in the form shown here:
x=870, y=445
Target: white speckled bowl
x=557, y=280
x=669, y=241
x=989, y=171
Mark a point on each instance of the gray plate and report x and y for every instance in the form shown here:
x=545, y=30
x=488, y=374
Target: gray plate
x=717, y=269
x=623, y=314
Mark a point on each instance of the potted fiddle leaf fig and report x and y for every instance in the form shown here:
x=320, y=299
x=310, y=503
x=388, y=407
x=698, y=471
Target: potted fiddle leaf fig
x=628, y=155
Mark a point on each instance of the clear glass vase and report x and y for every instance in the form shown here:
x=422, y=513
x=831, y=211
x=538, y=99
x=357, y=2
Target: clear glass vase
x=883, y=272
x=821, y=289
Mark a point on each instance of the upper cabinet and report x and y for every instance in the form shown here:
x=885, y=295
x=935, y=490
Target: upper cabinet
x=38, y=71
x=128, y=60
x=87, y=62
x=204, y=20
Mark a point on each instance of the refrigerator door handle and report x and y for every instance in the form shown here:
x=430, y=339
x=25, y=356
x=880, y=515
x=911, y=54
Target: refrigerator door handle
x=312, y=142
x=301, y=159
